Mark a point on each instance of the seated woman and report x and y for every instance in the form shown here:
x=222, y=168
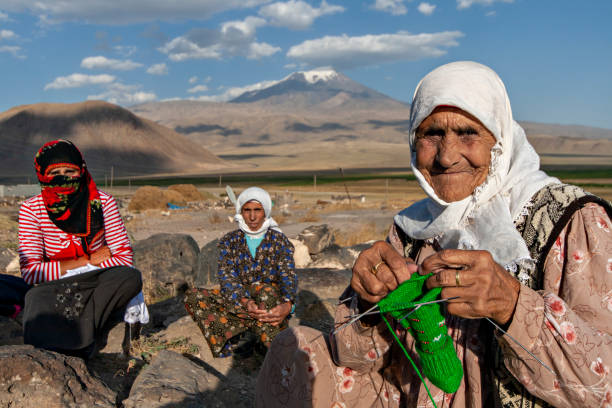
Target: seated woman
x=524, y=257
x=74, y=247
x=257, y=280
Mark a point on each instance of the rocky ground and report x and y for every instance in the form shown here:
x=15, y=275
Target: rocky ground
x=170, y=365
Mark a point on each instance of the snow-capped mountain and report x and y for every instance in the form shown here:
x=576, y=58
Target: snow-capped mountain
x=326, y=88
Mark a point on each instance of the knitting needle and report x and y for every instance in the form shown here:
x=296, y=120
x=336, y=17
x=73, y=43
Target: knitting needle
x=353, y=320
x=341, y=301
x=427, y=303
x=417, y=305
x=523, y=347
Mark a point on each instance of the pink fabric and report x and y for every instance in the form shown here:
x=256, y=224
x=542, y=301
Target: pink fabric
x=567, y=325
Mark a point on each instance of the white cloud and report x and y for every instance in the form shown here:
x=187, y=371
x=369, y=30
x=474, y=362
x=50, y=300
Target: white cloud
x=259, y=50
x=234, y=92
x=244, y=28
x=7, y=35
x=100, y=62
x=198, y=88
x=208, y=79
x=124, y=12
x=182, y=48
x=12, y=49
x=426, y=8
x=158, y=69
x=124, y=95
x=463, y=4
x=234, y=38
x=296, y=14
x=79, y=80
x=344, y=52
x=4, y=16
x=193, y=79
x=125, y=50
x=395, y=7
x=491, y=13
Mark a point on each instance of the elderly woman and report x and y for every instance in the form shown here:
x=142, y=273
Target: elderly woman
x=512, y=247
x=74, y=247
x=257, y=280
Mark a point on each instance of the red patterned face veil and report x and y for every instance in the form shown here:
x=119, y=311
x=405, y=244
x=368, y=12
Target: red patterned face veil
x=73, y=203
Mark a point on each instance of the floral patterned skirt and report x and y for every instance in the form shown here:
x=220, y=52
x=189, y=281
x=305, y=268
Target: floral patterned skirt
x=219, y=320
x=299, y=372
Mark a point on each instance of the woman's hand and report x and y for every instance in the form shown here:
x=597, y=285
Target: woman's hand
x=379, y=270
x=485, y=289
x=100, y=255
x=274, y=316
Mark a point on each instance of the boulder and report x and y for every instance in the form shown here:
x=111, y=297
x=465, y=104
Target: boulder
x=168, y=262
x=324, y=283
x=317, y=238
x=337, y=257
x=31, y=377
x=11, y=331
x=172, y=380
x=9, y=261
x=208, y=264
x=301, y=257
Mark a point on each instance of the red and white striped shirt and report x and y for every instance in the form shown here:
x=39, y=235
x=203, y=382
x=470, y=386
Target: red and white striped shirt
x=40, y=240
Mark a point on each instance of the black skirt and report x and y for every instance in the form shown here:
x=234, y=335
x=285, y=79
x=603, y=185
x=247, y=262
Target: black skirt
x=70, y=314
x=12, y=294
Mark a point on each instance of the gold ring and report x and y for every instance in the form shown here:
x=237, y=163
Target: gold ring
x=375, y=267
x=457, y=280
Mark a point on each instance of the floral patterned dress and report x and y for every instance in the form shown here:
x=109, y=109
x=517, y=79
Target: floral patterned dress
x=567, y=325
x=268, y=278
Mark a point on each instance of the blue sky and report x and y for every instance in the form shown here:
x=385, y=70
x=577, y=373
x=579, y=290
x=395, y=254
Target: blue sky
x=555, y=57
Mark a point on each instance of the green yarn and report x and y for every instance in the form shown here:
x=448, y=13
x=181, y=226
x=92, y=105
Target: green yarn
x=433, y=344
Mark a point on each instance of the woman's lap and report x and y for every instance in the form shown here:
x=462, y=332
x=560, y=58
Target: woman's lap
x=69, y=313
x=299, y=372
x=219, y=320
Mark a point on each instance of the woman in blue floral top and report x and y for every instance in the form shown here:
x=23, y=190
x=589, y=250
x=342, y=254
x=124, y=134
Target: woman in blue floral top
x=257, y=279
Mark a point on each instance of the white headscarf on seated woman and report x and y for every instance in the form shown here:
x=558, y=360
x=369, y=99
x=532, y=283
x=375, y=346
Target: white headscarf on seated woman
x=485, y=219
x=262, y=197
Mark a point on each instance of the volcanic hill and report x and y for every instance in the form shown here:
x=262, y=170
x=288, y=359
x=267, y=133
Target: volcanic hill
x=108, y=136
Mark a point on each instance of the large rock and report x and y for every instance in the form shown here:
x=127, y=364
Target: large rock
x=317, y=238
x=337, y=257
x=31, y=377
x=11, y=331
x=167, y=261
x=9, y=261
x=172, y=380
x=208, y=264
x=301, y=257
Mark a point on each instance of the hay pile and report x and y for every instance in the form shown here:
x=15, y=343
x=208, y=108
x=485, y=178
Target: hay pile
x=149, y=197
x=189, y=191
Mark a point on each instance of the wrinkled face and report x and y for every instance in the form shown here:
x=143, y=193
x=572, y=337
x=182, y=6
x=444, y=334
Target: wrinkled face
x=453, y=152
x=253, y=214
x=62, y=171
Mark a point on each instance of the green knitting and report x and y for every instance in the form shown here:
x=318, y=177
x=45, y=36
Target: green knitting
x=434, y=345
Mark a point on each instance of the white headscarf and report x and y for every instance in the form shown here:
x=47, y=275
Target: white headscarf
x=483, y=220
x=262, y=197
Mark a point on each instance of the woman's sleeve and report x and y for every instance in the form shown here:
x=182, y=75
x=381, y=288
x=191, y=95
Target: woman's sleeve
x=116, y=236
x=33, y=267
x=568, y=325
x=286, y=268
x=231, y=288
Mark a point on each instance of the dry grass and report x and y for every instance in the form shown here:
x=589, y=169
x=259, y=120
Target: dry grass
x=8, y=233
x=188, y=191
x=366, y=232
x=310, y=216
x=148, y=347
x=149, y=197
x=215, y=218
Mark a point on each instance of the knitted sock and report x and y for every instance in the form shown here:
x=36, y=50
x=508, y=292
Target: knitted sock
x=434, y=345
